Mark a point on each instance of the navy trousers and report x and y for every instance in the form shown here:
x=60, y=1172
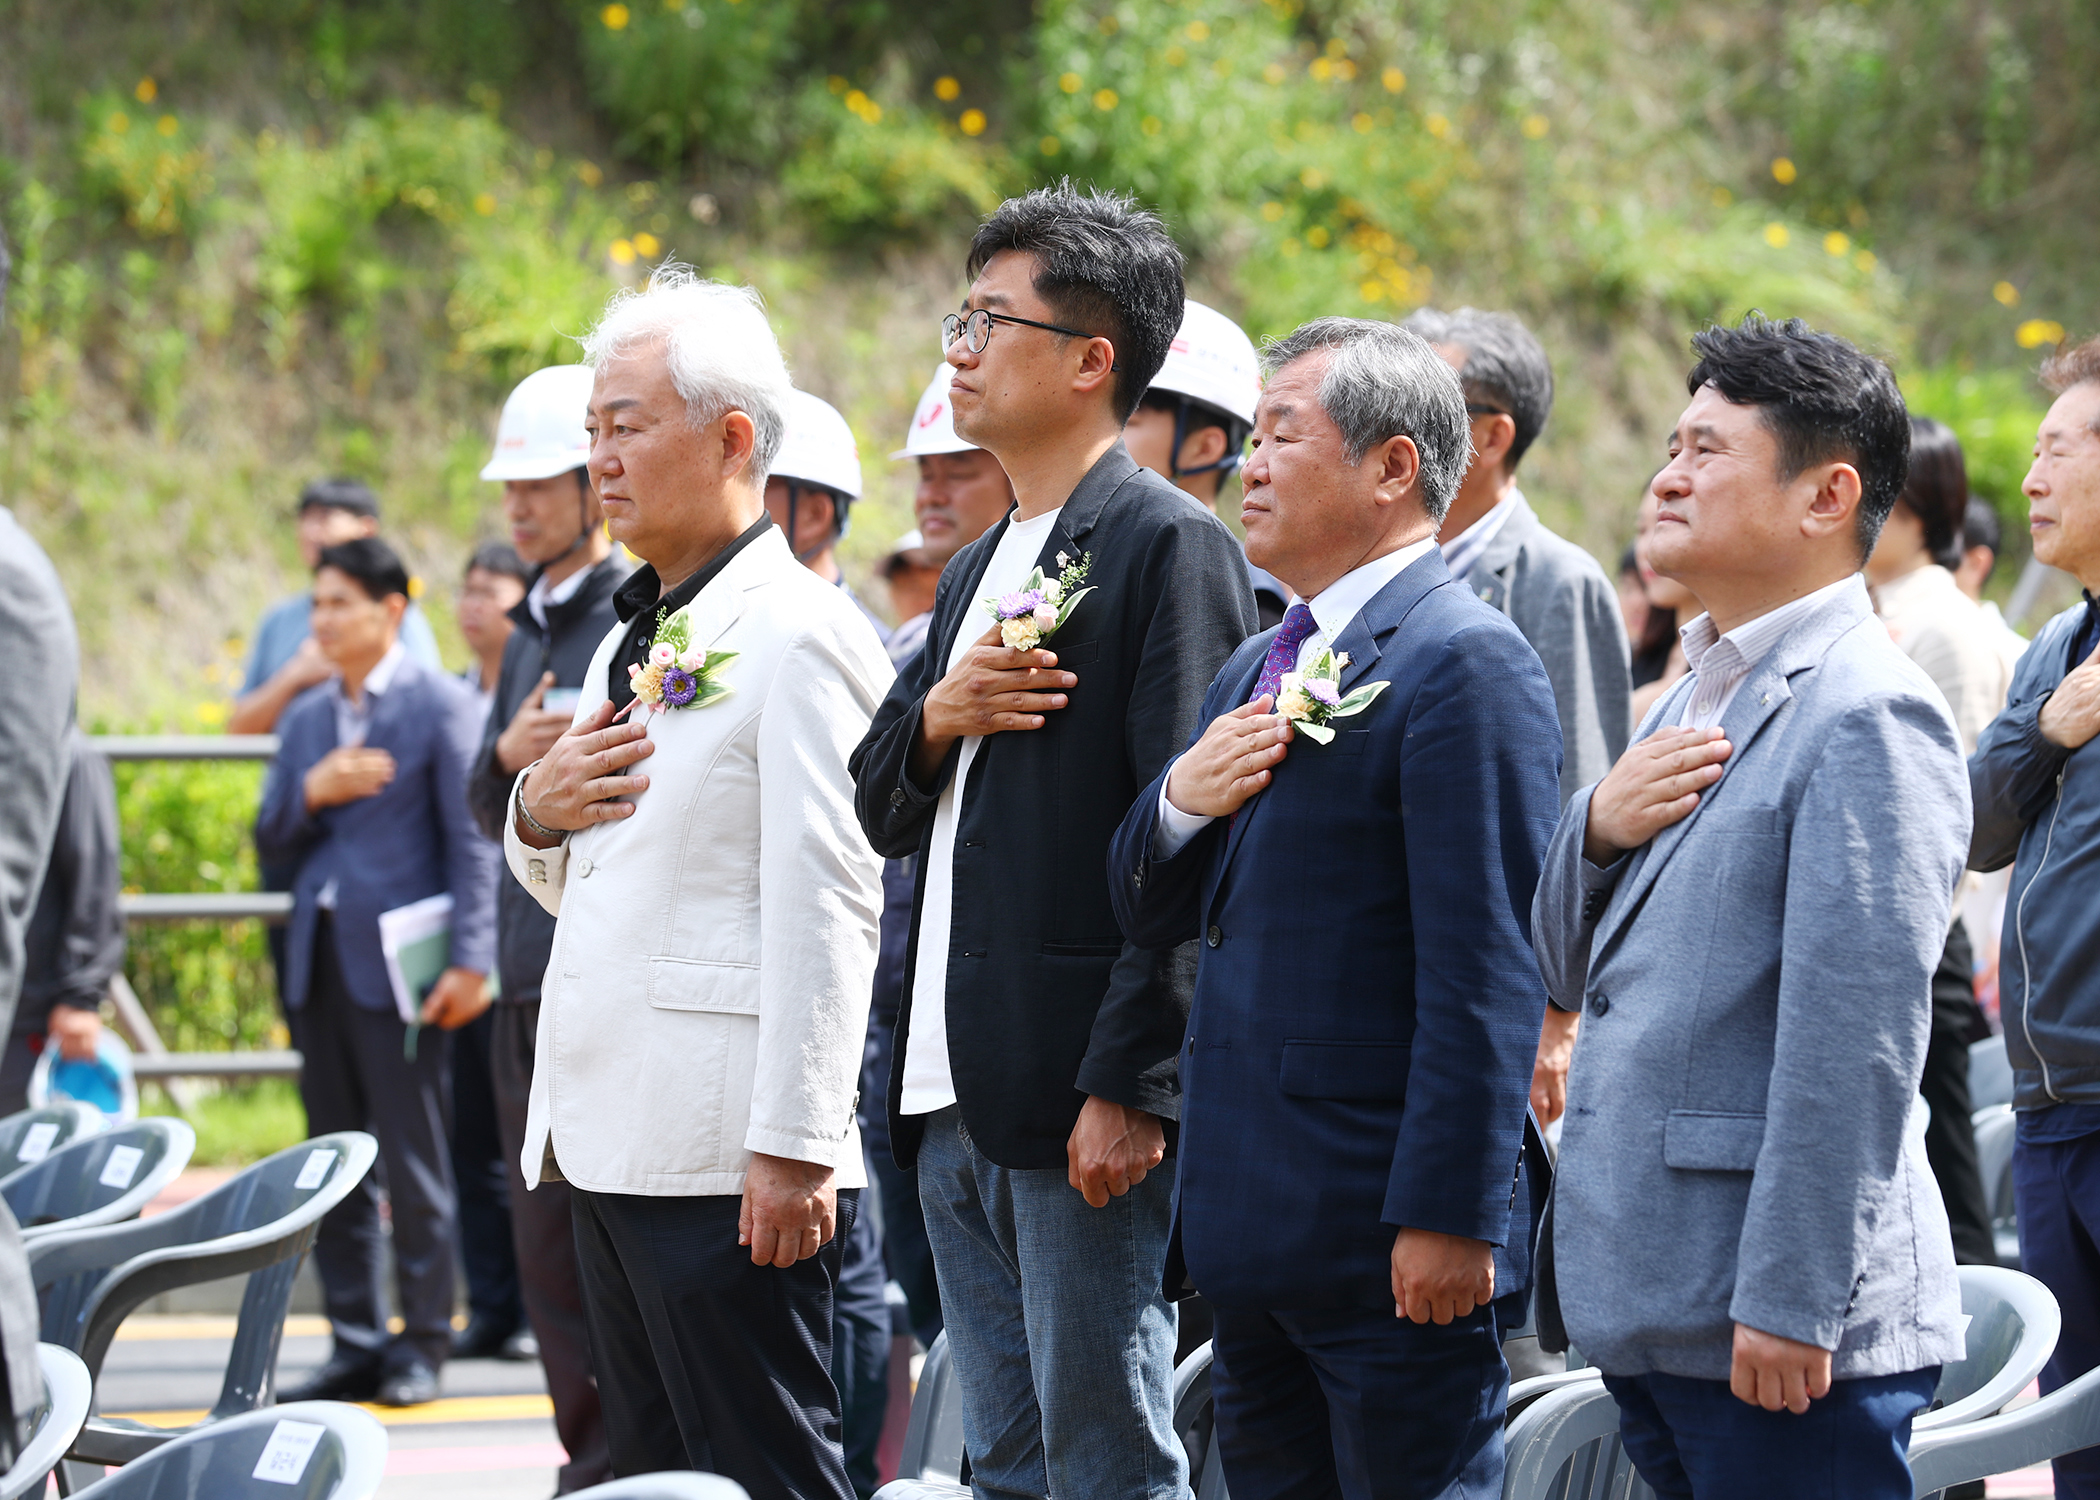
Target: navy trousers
x=860, y=1350
x=2056, y=1188
x=1357, y=1403
x=1693, y=1440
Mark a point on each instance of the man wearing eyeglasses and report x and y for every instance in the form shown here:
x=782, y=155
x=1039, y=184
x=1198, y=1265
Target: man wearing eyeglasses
x=1037, y=1084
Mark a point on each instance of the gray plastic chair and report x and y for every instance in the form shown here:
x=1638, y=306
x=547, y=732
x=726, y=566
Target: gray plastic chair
x=1573, y=1429
x=1990, y=1074
x=311, y=1450
x=1995, y=1128
x=99, y=1179
x=671, y=1486
x=68, y=1388
x=2061, y=1422
x=33, y=1134
x=260, y=1223
x=1195, y=1423
x=933, y=1438
x=2013, y=1327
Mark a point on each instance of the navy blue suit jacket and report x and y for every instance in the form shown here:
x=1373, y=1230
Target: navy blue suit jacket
x=1367, y=1005
x=411, y=839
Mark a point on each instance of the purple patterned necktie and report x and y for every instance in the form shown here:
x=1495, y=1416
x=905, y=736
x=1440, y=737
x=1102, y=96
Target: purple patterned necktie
x=1298, y=624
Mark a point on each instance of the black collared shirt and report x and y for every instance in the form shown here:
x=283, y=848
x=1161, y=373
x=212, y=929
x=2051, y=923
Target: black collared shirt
x=636, y=602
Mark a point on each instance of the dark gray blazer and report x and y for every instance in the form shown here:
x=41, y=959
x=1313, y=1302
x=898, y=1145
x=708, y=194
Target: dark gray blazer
x=1559, y=597
x=1744, y=1141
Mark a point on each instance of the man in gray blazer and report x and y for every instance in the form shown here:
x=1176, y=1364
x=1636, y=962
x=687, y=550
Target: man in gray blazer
x=1745, y=1235
x=1553, y=591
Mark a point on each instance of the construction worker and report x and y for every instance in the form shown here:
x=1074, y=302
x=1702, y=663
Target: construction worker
x=811, y=488
x=963, y=493
x=557, y=528
x=1192, y=425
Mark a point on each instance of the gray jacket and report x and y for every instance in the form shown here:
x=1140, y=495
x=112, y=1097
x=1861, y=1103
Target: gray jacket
x=2038, y=809
x=1559, y=597
x=1739, y=1144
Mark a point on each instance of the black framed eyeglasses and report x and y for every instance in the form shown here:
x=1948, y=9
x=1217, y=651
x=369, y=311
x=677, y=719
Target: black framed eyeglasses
x=1474, y=409
x=976, y=330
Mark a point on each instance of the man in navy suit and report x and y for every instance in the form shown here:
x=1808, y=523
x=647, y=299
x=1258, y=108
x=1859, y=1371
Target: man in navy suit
x=1359, y=1056
x=367, y=800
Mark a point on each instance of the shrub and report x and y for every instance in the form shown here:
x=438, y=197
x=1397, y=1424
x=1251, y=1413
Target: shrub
x=140, y=161
x=875, y=172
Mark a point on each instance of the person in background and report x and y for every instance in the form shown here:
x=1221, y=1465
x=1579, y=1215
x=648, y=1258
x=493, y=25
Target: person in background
x=2036, y=780
x=1670, y=604
x=366, y=803
x=1633, y=607
x=1495, y=544
x=1981, y=534
x=1784, y=1307
x=557, y=527
x=811, y=488
x=1192, y=425
x=283, y=659
x=962, y=492
x=1940, y=628
x=912, y=576
x=495, y=584
x=75, y=941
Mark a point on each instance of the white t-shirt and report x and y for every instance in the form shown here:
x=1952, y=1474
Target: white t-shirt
x=929, y=1085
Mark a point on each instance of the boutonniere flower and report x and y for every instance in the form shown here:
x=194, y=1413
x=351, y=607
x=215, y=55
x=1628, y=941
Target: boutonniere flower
x=1039, y=608
x=678, y=674
x=1313, y=698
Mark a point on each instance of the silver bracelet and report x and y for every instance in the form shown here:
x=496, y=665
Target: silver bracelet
x=526, y=813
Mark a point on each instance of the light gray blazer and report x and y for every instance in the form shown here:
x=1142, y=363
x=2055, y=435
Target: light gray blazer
x=1558, y=596
x=1739, y=1144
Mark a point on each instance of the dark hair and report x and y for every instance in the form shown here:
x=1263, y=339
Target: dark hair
x=1505, y=367
x=500, y=557
x=1820, y=398
x=340, y=493
x=1102, y=263
x=1980, y=527
x=1937, y=488
x=376, y=567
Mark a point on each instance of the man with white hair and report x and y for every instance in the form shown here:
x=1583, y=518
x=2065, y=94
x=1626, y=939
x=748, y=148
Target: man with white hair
x=702, y=1013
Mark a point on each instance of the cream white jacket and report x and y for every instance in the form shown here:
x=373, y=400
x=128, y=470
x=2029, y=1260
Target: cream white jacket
x=707, y=994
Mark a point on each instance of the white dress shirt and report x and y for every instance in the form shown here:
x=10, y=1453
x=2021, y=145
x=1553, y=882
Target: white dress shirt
x=352, y=720
x=1332, y=610
x=929, y=1083
x=1463, y=550
x=1719, y=663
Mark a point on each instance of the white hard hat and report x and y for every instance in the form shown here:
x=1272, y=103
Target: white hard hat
x=818, y=447
x=1211, y=360
x=933, y=424
x=541, y=432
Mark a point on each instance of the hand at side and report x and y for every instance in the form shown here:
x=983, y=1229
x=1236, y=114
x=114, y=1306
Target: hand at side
x=1655, y=783
x=1438, y=1277
x=1111, y=1148
x=1549, y=1073
x=790, y=1210
x=1231, y=761
x=458, y=997
x=1772, y=1372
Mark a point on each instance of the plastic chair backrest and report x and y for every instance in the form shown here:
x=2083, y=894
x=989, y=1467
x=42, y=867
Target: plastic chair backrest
x=68, y=1388
x=2061, y=1422
x=1995, y=1130
x=310, y=1450
x=33, y=1134
x=1195, y=1424
x=933, y=1438
x=1990, y=1073
x=99, y=1179
x=1565, y=1446
x=2013, y=1327
x=680, y=1485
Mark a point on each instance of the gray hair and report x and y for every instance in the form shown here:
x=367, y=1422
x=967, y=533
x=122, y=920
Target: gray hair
x=721, y=351
x=1385, y=382
x=1505, y=367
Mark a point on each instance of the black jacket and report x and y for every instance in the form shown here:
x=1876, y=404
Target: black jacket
x=75, y=942
x=1046, y=1002
x=576, y=627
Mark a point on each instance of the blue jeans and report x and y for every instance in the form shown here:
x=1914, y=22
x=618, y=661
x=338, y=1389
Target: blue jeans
x=1062, y=1339
x=1693, y=1440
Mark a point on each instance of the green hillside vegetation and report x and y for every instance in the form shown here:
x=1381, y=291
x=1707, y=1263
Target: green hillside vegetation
x=260, y=240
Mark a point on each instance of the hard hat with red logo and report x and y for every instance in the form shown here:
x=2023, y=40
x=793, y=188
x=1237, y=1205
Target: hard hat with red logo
x=933, y=424
x=541, y=431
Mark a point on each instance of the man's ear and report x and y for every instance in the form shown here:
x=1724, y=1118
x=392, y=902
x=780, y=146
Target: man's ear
x=739, y=443
x=1835, y=505
x=395, y=605
x=1096, y=370
x=1201, y=449
x=1399, y=465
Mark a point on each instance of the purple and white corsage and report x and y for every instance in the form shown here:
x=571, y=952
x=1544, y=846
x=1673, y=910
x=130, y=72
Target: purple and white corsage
x=1036, y=610
x=1312, y=698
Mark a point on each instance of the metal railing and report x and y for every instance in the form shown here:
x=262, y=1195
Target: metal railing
x=150, y=1057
